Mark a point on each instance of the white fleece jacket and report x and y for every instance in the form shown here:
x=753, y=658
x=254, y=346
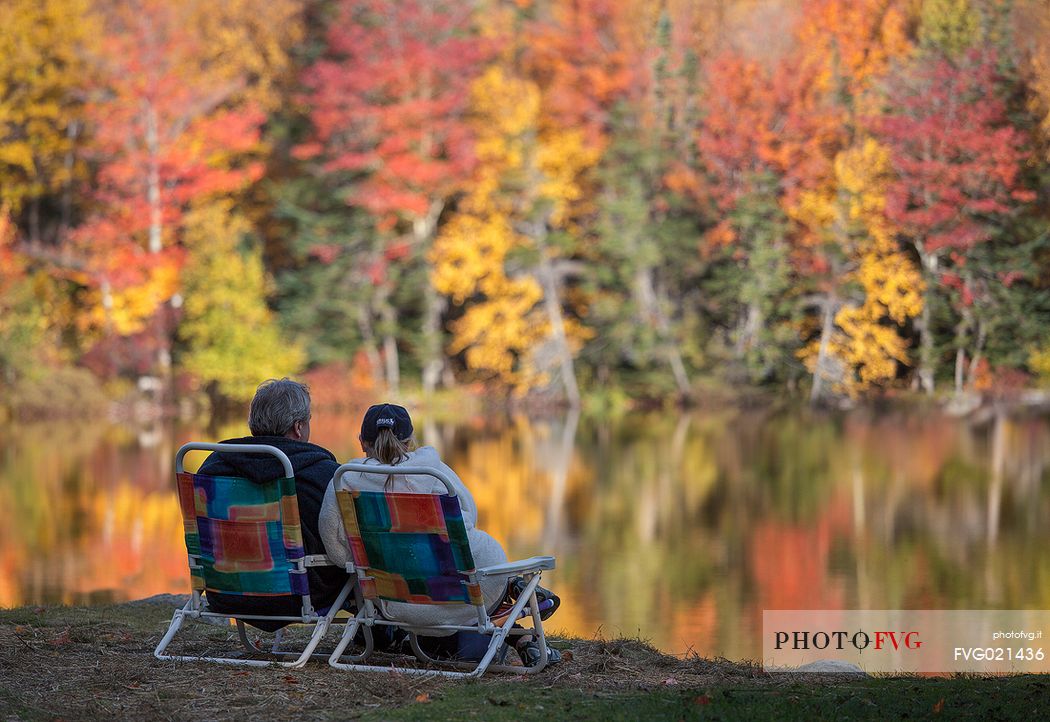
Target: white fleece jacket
x=484, y=548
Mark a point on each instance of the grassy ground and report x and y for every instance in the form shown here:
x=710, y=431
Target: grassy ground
x=97, y=663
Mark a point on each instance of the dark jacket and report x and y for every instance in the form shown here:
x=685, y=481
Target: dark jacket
x=314, y=468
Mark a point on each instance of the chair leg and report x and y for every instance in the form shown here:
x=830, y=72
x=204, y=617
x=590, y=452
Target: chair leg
x=413, y=641
x=176, y=624
x=321, y=628
x=476, y=669
x=537, y=625
x=349, y=631
x=300, y=659
x=251, y=646
x=323, y=624
x=173, y=628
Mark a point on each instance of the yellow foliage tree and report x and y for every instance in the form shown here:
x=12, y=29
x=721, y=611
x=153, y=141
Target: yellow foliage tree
x=127, y=310
x=231, y=336
x=492, y=256
x=951, y=26
x=866, y=338
x=1036, y=16
x=41, y=68
x=1039, y=362
x=846, y=45
x=245, y=45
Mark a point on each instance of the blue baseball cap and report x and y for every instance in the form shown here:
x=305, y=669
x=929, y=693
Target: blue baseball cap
x=386, y=416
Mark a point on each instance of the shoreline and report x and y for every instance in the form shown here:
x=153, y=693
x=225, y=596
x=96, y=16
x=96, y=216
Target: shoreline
x=468, y=401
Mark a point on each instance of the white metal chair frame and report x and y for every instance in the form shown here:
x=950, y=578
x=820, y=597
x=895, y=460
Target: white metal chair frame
x=195, y=610
x=371, y=614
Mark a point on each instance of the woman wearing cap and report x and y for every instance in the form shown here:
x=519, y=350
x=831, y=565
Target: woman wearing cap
x=386, y=438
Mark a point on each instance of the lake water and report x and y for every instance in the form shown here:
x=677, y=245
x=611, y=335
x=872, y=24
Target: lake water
x=679, y=529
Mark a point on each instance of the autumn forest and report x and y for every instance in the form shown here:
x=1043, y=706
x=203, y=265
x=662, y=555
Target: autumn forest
x=548, y=199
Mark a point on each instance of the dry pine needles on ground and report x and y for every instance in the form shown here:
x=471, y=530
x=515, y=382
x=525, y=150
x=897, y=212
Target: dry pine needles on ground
x=91, y=663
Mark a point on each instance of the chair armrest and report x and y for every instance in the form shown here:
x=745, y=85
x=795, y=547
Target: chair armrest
x=318, y=560
x=521, y=566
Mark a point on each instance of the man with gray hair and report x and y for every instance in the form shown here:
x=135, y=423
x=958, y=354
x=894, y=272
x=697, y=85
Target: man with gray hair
x=279, y=415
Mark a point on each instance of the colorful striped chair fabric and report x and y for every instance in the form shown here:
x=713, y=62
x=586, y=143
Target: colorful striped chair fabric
x=245, y=536
x=410, y=547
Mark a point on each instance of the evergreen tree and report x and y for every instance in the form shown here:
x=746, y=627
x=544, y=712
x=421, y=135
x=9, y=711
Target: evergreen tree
x=643, y=233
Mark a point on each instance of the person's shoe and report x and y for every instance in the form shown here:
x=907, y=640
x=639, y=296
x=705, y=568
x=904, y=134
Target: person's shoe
x=530, y=652
x=547, y=600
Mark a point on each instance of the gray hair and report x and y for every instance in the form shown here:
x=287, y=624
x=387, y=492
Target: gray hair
x=277, y=405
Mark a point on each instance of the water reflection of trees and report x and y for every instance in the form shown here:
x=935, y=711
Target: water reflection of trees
x=87, y=511
x=681, y=528
x=704, y=522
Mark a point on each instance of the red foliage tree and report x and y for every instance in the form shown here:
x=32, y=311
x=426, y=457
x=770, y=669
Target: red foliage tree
x=958, y=161
x=388, y=100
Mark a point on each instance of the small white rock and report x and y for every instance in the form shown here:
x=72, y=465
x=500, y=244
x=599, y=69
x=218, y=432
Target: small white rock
x=831, y=666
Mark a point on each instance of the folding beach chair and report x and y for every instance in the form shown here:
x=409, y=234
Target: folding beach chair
x=413, y=548
x=244, y=538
